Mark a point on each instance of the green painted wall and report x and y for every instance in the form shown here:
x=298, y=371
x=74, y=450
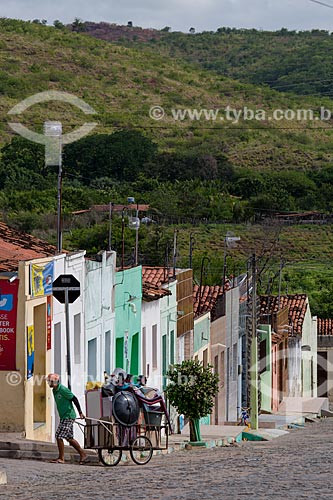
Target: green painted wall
x=201, y=332
x=128, y=297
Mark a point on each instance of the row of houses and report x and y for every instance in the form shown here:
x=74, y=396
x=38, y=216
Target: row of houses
x=142, y=319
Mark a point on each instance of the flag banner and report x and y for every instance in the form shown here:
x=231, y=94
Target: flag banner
x=41, y=279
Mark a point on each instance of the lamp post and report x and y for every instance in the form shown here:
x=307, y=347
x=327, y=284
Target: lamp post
x=123, y=236
x=110, y=226
x=53, y=130
x=229, y=242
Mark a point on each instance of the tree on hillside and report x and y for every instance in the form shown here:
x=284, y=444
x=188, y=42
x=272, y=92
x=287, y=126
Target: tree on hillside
x=23, y=164
x=120, y=156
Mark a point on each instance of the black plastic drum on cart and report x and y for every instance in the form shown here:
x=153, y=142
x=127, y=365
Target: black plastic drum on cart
x=125, y=408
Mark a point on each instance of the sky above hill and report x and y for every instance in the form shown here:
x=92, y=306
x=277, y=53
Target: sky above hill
x=180, y=15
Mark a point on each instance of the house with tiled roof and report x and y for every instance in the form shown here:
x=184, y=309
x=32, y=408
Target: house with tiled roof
x=16, y=246
x=300, y=327
x=224, y=349
x=325, y=358
x=158, y=320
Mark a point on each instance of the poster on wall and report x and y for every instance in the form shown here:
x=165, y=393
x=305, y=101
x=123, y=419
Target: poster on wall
x=8, y=318
x=48, y=322
x=41, y=279
x=30, y=351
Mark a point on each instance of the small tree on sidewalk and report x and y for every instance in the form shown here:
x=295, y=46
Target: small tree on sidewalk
x=191, y=391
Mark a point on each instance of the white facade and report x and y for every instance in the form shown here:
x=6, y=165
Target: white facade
x=69, y=264
x=232, y=354
x=99, y=319
x=151, y=361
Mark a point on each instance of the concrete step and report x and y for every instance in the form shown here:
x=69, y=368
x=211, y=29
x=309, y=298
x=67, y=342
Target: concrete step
x=44, y=455
x=37, y=446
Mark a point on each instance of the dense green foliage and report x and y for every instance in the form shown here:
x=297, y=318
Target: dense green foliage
x=192, y=388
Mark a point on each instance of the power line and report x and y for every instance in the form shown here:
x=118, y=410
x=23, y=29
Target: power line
x=322, y=3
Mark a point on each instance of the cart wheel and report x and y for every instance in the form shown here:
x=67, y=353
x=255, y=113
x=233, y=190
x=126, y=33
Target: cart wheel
x=110, y=457
x=141, y=450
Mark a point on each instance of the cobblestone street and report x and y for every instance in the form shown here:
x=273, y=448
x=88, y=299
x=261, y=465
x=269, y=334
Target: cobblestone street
x=297, y=465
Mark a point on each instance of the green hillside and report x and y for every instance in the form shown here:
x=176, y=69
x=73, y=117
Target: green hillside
x=288, y=61
x=123, y=84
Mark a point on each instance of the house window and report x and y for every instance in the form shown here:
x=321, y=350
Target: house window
x=144, y=358
x=262, y=356
x=172, y=347
x=234, y=362
x=77, y=338
x=107, y=342
x=222, y=369
x=154, y=346
x=205, y=358
x=92, y=359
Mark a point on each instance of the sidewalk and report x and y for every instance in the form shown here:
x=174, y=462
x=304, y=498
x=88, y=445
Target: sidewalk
x=271, y=426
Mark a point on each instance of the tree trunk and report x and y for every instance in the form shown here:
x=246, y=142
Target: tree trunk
x=195, y=430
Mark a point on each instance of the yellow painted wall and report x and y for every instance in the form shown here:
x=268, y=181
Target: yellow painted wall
x=24, y=402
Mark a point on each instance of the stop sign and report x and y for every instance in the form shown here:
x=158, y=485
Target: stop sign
x=66, y=283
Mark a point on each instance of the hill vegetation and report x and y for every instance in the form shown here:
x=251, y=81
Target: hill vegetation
x=201, y=177
x=288, y=61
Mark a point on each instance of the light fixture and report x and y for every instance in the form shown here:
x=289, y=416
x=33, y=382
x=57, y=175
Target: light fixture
x=132, y=306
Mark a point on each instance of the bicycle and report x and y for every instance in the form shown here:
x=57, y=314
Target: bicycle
x=244, y=418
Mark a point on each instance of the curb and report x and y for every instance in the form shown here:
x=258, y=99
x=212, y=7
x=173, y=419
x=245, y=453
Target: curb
x=3, y=477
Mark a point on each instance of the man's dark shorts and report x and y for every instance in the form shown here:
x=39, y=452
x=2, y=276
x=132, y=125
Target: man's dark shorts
x=65, y=429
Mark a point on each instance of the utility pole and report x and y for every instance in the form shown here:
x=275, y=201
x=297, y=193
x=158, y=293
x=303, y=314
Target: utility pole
x=137, y=221
x=254, y=351
x=191, y=251
x=174, y=261
x=280, y=279
x=110, y=226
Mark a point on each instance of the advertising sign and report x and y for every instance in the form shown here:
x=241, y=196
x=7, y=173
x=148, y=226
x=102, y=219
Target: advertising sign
x=41, y=279
x=8, y=317
x=48, y=322
x=30, y=351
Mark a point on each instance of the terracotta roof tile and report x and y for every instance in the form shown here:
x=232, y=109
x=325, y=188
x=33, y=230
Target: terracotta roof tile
x=17, y=246
x=152, y=292
x=297, y=306
x=156, y=276
x=324, y=326
x=205, y=298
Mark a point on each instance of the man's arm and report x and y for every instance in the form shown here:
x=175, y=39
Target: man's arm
x=75, y=401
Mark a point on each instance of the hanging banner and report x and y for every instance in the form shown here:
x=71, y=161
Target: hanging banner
x=48, y=322
x=41, y=279
x=8, y=318
x=30, y=351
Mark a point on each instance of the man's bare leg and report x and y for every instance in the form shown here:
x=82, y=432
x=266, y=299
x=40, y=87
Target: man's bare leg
x=61, y=449
x=77, y=447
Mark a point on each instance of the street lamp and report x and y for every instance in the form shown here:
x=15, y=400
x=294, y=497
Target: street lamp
x=53, y=130
x=229, y=242
x=134, y=223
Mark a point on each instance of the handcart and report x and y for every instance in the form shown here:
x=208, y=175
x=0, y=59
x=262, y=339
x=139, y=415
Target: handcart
x=137, y=424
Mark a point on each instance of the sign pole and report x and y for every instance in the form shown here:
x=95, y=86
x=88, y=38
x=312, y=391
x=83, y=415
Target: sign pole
x=68, y=341
x=66, y=289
